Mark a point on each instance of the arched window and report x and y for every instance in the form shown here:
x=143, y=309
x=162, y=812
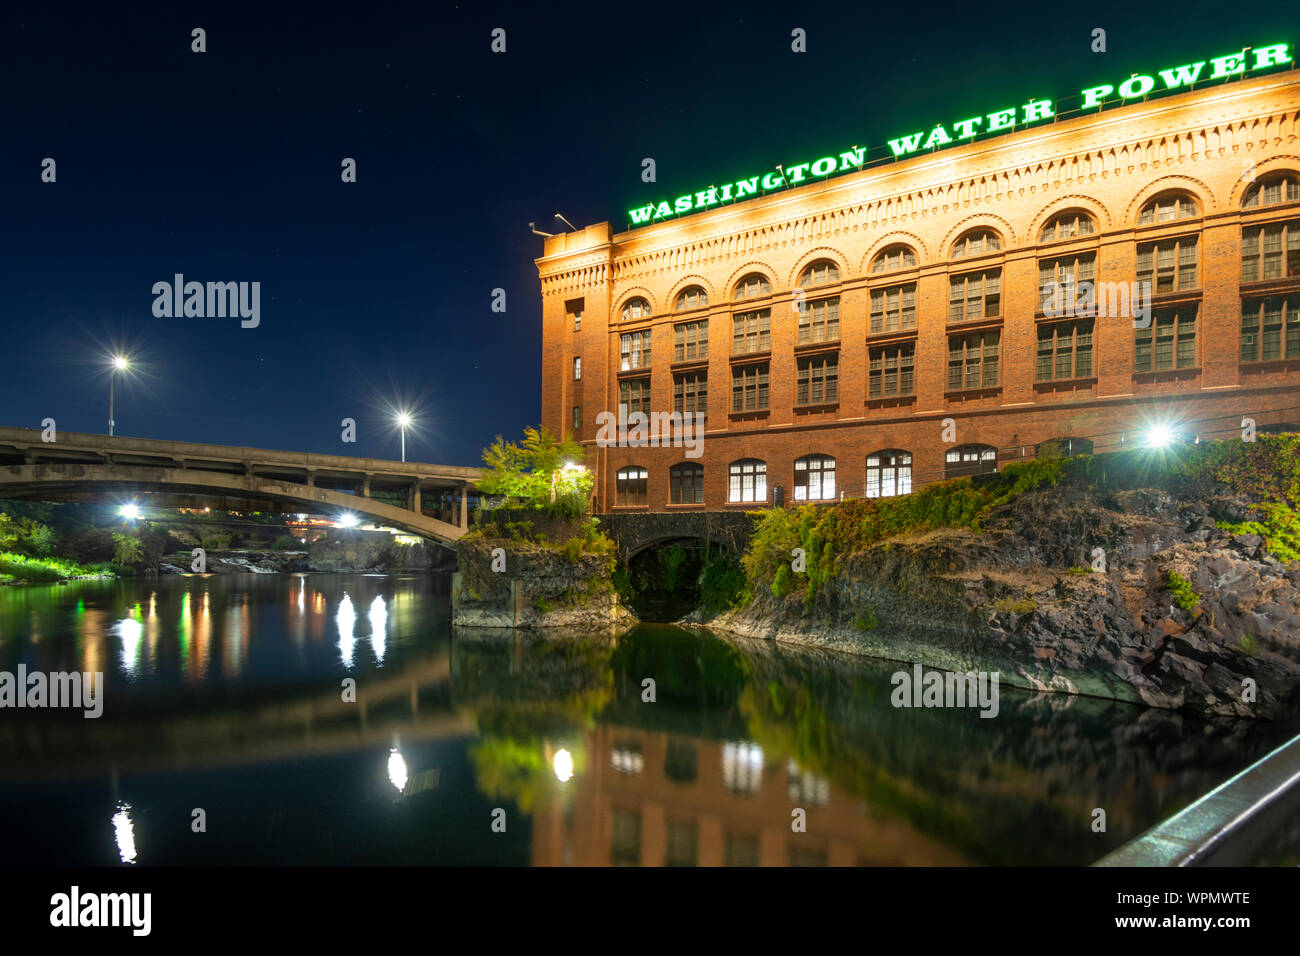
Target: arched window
x=747, y=480
x=1063, y=448
x=819, y=273
x=1273, y=189
x=752, y=286
x=1070, y=224
x=1167, y=207
x=970, y=460
x=889, y=473
x=814, y=478
x=686, y=483
x=977, y=242
x=692, y=297
x=637, y=308
x=893, y=258
x=630, y=486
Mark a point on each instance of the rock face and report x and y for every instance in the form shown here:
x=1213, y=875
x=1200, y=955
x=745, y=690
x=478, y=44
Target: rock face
x=539, y=587
x=1030, y=596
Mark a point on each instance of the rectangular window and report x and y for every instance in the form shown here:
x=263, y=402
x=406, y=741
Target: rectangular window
x=893, y=309
x=574, y=308
x=1270, y=328
x=634, y=350
x=691, y=392
x=747, y=482
x=818, y=380
x=691, y=341
x=1168, y=266
x=635, y=394
x=577, y=418
x=973, y=360
x=686, y=485
x=751, y=332
x=1168, y=343
x=1064, y=351
x=577, y=367
x=749, y=388
x=1065, y=286
x=890, y=371
x=1270, y=252
x=976, y=295
x=819, y=321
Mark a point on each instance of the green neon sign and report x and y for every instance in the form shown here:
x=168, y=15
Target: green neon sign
x=964, y=130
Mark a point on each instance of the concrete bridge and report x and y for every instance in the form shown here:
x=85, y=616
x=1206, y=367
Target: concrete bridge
x=397, y=494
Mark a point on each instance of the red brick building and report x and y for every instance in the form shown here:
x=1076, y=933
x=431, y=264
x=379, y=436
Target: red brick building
x=882, y=329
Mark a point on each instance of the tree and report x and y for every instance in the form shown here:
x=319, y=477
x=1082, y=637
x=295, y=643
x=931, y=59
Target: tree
x=129, y=550
x=541, y=471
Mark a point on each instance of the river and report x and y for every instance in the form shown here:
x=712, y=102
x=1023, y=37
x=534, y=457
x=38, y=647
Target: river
x=230, y=735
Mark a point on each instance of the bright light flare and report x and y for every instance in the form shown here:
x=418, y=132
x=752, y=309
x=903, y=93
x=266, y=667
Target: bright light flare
x=348, y=520
x=1159, y=436
x=129, y=511
x=397, y=772
x=563, y=765
x=120, y=362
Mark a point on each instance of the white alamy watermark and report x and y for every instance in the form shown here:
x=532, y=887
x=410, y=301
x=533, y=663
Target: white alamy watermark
x=211, y=300
x=651, y=430
x=69, y=689
x=946, y=689
x=1087, y=299
x=74, y=908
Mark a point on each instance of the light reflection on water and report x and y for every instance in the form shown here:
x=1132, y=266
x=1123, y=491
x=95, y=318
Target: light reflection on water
x=225, y=692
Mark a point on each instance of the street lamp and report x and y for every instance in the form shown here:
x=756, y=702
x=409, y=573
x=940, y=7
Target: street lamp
x=403, y=420
x=120, y=364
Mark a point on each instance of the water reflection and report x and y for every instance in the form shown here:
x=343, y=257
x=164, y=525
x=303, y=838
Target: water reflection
x=552, y=727
x=347, y=619
x=124, y=832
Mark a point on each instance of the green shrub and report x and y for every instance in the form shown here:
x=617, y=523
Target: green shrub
x=722, y=583
x=1181, y=589
x=285, y=542
x=128, y=550
x=572, y=550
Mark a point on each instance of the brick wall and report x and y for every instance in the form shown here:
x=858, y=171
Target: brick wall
x=1204, y=145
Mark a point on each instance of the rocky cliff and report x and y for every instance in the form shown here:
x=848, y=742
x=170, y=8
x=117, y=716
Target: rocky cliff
x=1122, y=582
x=512, y=582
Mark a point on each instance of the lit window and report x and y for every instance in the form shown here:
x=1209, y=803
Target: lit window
x=742, y=766
x=577, y=367
x=748, y=481
x=814, y=478
x=889, y=473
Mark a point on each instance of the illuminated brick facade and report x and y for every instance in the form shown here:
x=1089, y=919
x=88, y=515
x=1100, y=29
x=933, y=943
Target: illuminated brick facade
x=888, y=327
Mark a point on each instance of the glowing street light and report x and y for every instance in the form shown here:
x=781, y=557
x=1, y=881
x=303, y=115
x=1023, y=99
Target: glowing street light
x=129, y=511
x=120, y=364
x=348, y=520
x=1159, y=436
x=403, y=420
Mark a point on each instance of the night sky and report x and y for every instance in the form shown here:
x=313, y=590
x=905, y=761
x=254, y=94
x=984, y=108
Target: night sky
x=225, y=166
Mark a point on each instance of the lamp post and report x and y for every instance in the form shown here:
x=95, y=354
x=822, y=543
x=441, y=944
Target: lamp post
x=120, y=364
x=403, y=420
